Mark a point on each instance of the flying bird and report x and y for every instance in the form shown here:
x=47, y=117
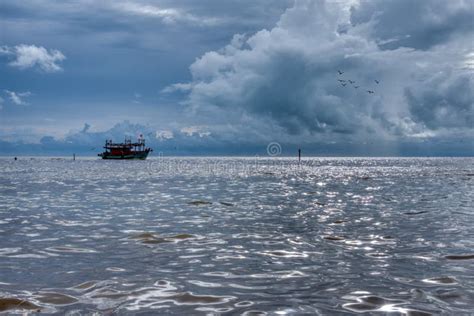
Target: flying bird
x=343, y=84
x=340, y=80
x=370, y=91
x=340, y=72
x=351, y=82
x=376, y=81
x=357, y=87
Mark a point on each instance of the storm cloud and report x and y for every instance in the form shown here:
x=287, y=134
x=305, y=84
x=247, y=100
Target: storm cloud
x=290, y=73
x=418, y=24
x=446, y=102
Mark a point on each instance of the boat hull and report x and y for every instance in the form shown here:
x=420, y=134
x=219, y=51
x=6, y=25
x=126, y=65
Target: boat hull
x=137, y=155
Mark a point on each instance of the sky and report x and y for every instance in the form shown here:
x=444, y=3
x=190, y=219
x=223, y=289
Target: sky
x=213, y=77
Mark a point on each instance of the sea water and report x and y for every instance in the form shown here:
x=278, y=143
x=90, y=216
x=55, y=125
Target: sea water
x=249, y=236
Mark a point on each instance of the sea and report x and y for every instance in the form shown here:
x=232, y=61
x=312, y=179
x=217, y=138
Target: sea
x=237, y=236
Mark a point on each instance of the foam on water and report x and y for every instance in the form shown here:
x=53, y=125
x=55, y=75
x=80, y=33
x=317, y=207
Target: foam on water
x=248, y=236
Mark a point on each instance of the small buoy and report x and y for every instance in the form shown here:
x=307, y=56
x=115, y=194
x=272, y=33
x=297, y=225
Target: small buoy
x=16, y=158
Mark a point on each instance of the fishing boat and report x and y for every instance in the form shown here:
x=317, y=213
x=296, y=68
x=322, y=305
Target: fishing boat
x=126, y=150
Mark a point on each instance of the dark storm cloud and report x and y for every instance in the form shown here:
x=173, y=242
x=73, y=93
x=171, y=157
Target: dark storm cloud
x=443, y=103
x=418, y=24
x=288, y=75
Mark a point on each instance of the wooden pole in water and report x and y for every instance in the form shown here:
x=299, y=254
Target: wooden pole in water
x=299, y=154
x=73, y=156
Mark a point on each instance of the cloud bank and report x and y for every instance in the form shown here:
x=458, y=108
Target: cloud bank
x=88, y=141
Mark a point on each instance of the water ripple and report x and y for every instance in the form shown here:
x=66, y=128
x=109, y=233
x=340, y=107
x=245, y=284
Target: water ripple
x=210, y=235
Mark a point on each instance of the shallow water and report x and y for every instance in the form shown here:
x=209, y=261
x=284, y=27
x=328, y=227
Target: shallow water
x=237, y=235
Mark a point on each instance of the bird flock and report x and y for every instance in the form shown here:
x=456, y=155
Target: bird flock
x=344, y=82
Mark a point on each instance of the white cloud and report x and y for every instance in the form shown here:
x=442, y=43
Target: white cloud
x=167, y=15
x=18, y=97
x=30, y=56
x=198, y=130
x=468, y=62
x=183, y=87
x=163, y=135
x=137, y=98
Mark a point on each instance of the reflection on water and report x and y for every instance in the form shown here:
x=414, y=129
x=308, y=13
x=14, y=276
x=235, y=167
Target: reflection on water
x=236, y=235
